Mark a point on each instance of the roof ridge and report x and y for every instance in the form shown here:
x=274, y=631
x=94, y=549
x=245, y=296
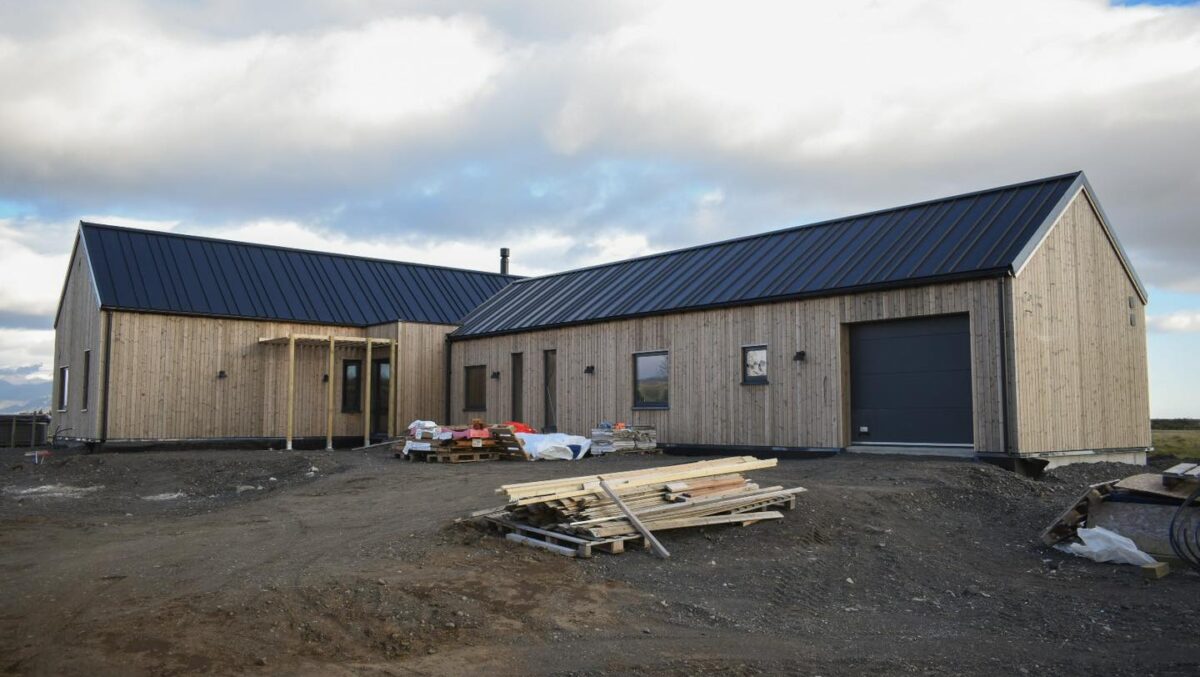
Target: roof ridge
x=206, y=238
x=816, y=224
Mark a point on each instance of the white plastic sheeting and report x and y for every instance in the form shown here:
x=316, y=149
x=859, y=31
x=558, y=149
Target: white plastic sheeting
x=555, y=446
x=1101, y=545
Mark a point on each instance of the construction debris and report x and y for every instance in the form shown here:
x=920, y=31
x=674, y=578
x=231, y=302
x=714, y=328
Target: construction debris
x=432, y=443
x=605, y=512
x=622, y=439
x=1158, y=513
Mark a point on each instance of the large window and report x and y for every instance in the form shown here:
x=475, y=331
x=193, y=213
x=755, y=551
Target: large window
x=475, y=388
x=351, y=386
x=754, y=365
x=87, y=378
x=63, y=385
x=651, y=380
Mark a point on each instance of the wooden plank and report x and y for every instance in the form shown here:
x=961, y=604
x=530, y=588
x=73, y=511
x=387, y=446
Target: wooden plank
x=637, y=524
x=329, y=401
x=291, y=390
x=391, y=409
x=366, y=409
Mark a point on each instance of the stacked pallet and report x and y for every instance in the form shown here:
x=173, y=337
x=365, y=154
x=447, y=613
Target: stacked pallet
x=634, y=439
x=501, y=444
x=575, y=514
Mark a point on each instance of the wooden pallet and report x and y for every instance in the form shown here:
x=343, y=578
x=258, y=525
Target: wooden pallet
x=507, y=443
x=1072, y=518
x=560, y=542
x=457, y=456
x=1182, y=472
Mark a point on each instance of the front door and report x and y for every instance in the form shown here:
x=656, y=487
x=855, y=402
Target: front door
x=381, y=381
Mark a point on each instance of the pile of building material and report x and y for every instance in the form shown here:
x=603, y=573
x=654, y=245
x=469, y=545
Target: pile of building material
x=632, y=439
x=447, y=444
x=574, y=515
x=1160, y=513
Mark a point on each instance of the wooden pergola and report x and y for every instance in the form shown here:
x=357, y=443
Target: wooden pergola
x=292, y=340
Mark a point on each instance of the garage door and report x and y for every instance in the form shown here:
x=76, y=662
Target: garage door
x=910, y=381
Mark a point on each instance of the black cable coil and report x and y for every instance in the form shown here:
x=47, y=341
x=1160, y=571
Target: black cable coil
x=1185, y=531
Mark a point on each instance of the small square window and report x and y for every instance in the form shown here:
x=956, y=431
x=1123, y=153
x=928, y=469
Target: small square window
x=754, y=365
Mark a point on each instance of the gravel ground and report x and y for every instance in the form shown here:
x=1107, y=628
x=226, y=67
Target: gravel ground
x=268, y=562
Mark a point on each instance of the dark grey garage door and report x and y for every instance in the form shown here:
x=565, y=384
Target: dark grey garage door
x=910, y=381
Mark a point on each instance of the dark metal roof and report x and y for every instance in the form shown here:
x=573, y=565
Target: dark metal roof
x=180, y=274
x=973, y=235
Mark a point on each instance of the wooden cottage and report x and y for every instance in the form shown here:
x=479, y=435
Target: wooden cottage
x=1006, y=322
x=164, y=337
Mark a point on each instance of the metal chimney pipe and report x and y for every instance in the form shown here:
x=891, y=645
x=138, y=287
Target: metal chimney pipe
x=504, y=260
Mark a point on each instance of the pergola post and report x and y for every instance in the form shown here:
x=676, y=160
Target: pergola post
x=291, y=389
x=367, y=398
x=329, y=398
x=391, y=416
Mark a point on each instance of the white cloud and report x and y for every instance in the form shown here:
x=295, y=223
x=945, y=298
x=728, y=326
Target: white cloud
x=26, y=355
x=1180, y=321
x=536, y=253
x=30, y=278
x=120, y=98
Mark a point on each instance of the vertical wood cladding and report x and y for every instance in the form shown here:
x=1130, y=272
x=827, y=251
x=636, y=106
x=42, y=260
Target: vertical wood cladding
x=1079, y=361
x=802, y=406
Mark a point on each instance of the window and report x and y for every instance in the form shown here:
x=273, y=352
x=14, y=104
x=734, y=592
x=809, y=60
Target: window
x=351, y=386
x=87, y=378
x=475, y=388
x=651, y=373
x=754, y=365
x=518, y=386
x=63, y=378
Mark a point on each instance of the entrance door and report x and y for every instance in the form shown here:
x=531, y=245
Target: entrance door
x=550, y=388
x=381, y=380
x=910, y=381
x=518, y=387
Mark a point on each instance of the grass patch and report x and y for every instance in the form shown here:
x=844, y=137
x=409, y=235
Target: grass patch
x=1179, y=443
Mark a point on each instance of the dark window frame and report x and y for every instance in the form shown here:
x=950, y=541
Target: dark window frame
x=748, y=380
x=64, y=387
x=87, y=378
x=468, y=404
x=638, y=402
x=352, y=399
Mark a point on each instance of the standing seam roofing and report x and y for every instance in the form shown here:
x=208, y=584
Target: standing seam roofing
x=169, y=273
x=972, y=235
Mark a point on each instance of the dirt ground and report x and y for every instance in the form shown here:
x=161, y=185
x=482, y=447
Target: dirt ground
x=350, y=563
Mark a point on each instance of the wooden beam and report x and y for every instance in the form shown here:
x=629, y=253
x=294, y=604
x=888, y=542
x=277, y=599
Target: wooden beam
x=391, y=416
x=329, y=397
x=637, y=524
x=367, y=398
x=291, y=389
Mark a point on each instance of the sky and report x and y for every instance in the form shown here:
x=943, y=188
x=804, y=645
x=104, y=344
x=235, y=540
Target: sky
x=579, y=132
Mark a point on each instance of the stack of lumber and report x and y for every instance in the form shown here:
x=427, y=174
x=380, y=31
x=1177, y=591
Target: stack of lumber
x=502, y=444
x=600, y=510
x=634, y=439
